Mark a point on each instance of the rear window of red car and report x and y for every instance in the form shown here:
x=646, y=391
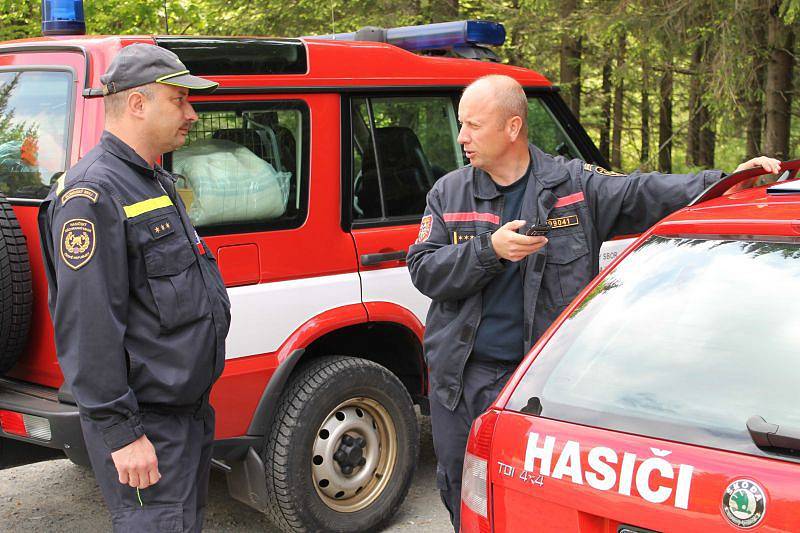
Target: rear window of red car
x=685, y=340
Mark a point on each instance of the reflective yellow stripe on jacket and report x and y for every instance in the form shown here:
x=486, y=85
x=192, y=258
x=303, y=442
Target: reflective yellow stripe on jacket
x=145, y=206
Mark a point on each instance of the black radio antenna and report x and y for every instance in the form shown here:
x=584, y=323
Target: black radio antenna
x=166, y=17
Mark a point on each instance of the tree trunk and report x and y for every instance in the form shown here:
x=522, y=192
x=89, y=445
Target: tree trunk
x=754, y=101
x=778, y=89
x=645, y=111
x=605, y=127
x=693, y=132
x=707, y=138
x=619, y=94
x=571, y=61
x=755, y=107
x=665, y=121
x=706, y=134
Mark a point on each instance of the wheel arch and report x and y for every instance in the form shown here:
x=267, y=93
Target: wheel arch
x=378, y=331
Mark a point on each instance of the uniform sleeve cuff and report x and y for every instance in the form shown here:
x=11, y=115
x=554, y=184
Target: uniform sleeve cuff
x=486, y=254
x=120, y=435
x=713, y=176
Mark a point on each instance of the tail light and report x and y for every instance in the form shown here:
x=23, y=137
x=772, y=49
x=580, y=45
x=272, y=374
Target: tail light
x=475, y=477
x=25, y=425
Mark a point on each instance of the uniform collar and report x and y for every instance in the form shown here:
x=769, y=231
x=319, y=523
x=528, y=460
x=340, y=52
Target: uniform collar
x=546, y=169
x=542, y=168
x=119, y=148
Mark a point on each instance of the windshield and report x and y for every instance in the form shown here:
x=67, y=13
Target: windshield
x=684, y=340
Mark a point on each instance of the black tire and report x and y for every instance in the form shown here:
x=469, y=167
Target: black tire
x=16, y=294
x=364, y=393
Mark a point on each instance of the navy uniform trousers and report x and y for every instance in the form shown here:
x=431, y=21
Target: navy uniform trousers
x=177, y=503
x=483, y=381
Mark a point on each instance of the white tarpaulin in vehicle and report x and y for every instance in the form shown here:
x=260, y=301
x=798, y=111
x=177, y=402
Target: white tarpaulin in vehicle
x=230, y=183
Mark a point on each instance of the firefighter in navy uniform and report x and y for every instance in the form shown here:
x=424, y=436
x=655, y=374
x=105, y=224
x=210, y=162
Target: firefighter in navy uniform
x=494, y=289
x=137, y=301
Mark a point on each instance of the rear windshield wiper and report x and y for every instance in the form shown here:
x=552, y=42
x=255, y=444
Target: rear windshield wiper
x=774, y=437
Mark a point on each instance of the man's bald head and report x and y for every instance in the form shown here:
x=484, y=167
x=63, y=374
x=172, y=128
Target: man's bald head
x=504, y=94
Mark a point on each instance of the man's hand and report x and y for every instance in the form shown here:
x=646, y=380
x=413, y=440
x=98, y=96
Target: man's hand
x=509, y=244
x=137, y=464
x=769, y=164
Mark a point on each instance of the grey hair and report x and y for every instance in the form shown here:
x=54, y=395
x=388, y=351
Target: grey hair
x=115, y=103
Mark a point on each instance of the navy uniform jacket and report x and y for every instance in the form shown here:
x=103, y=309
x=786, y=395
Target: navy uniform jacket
x=137, y=301
x=453, y=259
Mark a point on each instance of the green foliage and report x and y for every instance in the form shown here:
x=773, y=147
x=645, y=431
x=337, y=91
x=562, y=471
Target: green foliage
x=659, y=34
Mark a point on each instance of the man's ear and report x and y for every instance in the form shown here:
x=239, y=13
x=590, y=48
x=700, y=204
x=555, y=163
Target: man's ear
x=514, y=127
x=136, y=103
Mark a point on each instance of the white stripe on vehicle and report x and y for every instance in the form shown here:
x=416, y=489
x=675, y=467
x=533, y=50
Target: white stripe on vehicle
x=264, y=315
x=393, y=285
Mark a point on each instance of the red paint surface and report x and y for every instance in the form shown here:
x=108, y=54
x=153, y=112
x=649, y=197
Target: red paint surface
x=561, y=505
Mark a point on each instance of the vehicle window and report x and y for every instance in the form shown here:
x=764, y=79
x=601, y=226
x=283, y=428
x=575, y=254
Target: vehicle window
x=401, y=146
x=685, y=340
x=245, y=166
x=545, y=131
x=34, y=118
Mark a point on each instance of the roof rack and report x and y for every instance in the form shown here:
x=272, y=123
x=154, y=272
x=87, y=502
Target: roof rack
x=466, y=38
x=789, y=169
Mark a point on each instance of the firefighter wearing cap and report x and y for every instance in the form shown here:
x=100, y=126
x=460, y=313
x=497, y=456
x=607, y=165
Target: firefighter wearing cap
x=137, y=301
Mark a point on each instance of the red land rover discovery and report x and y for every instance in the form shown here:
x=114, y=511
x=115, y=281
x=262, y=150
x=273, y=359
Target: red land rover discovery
x=306, y=175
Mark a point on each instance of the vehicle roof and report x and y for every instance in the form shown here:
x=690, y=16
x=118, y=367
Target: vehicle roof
x=331, y=64
x=748, y=212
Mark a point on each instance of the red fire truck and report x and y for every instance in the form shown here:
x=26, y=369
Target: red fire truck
x=306, y=174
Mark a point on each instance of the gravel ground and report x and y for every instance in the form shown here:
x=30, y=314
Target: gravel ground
x=60, y=496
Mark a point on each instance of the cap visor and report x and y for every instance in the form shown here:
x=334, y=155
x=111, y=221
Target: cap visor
x=193, y=83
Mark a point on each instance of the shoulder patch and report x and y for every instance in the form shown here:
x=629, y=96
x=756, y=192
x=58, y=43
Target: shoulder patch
x=600, y=170
x=425, y=229
x=80, y=192
x=77, y=242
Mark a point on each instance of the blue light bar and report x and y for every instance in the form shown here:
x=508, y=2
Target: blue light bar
x=63, y=17
x=439, y=36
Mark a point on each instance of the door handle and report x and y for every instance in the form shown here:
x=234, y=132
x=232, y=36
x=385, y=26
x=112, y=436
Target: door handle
x=374, y=259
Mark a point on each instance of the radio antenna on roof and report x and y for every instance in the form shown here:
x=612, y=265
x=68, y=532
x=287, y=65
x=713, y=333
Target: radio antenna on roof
x=166, y=17
x=333, y=20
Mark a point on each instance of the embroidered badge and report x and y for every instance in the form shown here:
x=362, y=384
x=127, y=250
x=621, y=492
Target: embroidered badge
x=425, y=229
x=77, y=242
x=600, y=170
x=80, y=192
x=161, y=227
x=458, y=238
x=563, y=222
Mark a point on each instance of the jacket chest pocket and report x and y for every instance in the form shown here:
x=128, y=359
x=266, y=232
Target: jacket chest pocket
x=175, y=282
x=567, y=265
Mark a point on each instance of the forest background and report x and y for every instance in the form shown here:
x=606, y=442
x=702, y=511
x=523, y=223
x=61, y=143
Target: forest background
x=674, y=85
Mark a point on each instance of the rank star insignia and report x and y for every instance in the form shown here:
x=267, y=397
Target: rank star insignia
x=458, y=238
x=77, y=242
x=160, y=228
